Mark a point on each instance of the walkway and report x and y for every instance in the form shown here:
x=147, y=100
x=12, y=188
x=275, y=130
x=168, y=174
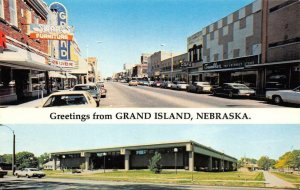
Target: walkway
x=273, y=181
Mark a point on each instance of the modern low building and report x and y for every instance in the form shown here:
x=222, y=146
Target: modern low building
x=189, y=155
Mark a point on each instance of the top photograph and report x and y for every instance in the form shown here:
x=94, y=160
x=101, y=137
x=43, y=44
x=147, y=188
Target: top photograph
x=150, y=54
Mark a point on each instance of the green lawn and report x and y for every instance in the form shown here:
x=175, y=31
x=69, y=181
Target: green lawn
x=254, y=179
x=293, y=178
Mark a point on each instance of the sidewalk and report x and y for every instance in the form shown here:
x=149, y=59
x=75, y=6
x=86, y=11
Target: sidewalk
x=275, y=182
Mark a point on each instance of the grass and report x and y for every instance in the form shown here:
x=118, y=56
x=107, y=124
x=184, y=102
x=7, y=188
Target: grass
x=252, y=179
x=293, y=178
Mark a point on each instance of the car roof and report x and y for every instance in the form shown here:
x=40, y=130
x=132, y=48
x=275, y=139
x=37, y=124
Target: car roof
x=69, y=92
x=234, y=83
x=90, y=84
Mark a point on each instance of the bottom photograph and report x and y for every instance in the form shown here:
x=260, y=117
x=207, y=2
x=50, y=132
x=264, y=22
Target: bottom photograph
x=149, y=156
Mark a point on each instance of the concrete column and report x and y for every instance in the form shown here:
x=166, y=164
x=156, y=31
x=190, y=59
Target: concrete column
x=220, y=165
x=227, y=165
x=191, y=161
x=127, y=162
x=54, y=163
x=87, y=161
x=210, y=164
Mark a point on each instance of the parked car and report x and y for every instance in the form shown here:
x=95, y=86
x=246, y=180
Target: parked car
x=2, y=173
x=166, y=84
x=174, y=85
x=199, y=87
x=70, y=98
x=133, y=83
x=30, y=172
x=141, y=82
x=91, y=88
x=288, y=96
x=103, y=90
x=146, y=83
x=233, y=90
x=151, y=82
x=181, y=85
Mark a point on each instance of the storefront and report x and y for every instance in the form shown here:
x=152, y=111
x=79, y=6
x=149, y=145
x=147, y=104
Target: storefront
x=20, y=74
x=234, y=70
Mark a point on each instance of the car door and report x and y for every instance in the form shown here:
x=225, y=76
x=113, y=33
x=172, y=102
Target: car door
x=226, y=89
x=294, y=96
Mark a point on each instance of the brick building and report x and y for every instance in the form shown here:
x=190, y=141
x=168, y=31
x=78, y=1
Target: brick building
x=22, y=59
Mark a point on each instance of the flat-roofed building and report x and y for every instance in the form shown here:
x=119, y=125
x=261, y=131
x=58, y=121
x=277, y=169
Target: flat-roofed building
x=189, y=155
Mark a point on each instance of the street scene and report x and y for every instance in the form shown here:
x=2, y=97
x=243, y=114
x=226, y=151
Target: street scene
x=243, y=57
x=214, y=160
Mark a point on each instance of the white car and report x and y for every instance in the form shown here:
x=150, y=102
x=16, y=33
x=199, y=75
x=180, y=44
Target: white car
x=287, y=96
x=70, y=99
x=30, y=172
x=181, y=85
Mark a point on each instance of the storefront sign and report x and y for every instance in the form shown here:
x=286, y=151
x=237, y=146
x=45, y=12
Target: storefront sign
x=2, y=42
x=49, y=29
x=44, y=36
x=62, y=15
x=184, y=64
x=62, y=63
x=233, y=63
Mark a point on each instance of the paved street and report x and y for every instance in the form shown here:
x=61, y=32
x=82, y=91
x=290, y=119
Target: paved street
x=48, y=183
x=122, y=95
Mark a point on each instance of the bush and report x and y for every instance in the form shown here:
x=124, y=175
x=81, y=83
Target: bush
x=154, y=163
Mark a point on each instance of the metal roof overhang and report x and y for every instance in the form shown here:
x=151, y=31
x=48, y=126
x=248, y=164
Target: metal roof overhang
x=274, y=63
x=222, y=70
x=26, y=64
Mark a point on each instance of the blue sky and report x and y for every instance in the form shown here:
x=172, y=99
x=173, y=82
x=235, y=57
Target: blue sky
x=236, y=140
x=131, y=27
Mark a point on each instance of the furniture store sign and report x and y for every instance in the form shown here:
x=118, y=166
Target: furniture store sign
x=234, y=63
x=48, y=32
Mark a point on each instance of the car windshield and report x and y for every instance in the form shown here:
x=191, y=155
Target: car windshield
x=240, y=86
x=33, y=169
x=85, y=88
x=66, y=100
x=297, y=89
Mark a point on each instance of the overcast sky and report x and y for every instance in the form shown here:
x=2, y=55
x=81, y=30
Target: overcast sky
x=131, y=27
x=235, y=140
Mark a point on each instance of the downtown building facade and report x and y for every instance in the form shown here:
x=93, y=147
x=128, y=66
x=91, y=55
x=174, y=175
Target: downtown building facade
x=33, y=66
x=257, y=45
x=187, y=155
x=22, y=59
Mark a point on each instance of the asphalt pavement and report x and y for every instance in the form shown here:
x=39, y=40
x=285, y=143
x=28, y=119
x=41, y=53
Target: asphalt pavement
x=48, y=183
x=121, y=95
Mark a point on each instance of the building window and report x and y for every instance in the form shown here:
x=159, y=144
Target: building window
x=36, y=19
x=13, y=12
x=1, y=9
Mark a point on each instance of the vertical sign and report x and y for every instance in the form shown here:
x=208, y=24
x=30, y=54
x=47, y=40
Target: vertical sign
x=62, y=16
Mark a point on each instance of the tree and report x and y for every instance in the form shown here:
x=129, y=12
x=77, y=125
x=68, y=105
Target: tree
x=44, y=158
x=289, y=160
x=7, y=158
x=154, y=163
x=265, y=163
x=26, y=160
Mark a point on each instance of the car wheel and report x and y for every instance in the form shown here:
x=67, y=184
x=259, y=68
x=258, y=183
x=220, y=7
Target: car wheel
x=277, y=100
x=17, y=175
x=214, y=93
x=27, y=176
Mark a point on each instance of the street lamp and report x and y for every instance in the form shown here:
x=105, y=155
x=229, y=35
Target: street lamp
x=175, y=151
x=104, y=154
x=171, y=73
x=14, y=148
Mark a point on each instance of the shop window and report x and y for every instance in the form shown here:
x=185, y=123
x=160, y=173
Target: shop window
x=1, y=9
x=277, y=78
x=13, y=12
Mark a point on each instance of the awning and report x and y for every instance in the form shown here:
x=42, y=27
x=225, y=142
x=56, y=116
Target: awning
x=25, y=64
x=69, y=76
x=56, y=75
x=274, y=63
x=221, y=70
